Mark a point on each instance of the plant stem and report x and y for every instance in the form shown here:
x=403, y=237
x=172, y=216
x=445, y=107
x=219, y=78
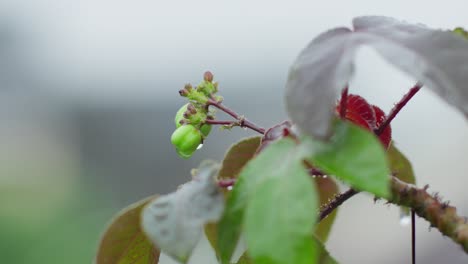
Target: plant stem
x=340, y=199
x=335, y=202
x=221, y=122
x=398, y=106
x=240, y=120
x=439, y=214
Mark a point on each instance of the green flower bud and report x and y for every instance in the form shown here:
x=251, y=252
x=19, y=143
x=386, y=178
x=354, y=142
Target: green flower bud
x=186, y=139
x=180, y=115
x=205, y=130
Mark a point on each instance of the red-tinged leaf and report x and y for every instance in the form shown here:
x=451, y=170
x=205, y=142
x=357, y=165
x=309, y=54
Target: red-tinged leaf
x=386, y=135
x=124, y=242
x=237, y=156
x=357, y=106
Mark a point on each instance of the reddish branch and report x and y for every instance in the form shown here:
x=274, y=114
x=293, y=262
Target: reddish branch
x=240, y=120
x=396, y=109
x=335, y=202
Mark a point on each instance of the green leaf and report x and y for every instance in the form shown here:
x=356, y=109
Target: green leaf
x=324, y=256
x=327, y=189
x=237, y=156
x=282, y=206
x=124, y=242
x=234, y=160
x=400, y=166
x=279, y=165
x=229, y=227
x=355, y=156
x=245, y=259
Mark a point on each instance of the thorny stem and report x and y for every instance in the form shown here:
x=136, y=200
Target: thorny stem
x=398, y=107
x=240, y=120
x=337, y=201
x=439, y=214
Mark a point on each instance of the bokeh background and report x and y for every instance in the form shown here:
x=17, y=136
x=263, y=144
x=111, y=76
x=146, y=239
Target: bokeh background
x=88, y=93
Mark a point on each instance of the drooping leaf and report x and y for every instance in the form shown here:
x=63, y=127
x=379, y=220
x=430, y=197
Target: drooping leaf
x=282, y=206
x=124, y=242
x=355, y=156
x=400, y=166
x=437, y=58
x=174, y=222
x=321, y=69
x=237, y=156
x=327, y=189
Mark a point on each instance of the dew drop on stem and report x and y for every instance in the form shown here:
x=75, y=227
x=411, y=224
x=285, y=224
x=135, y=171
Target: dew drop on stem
x=405, y=218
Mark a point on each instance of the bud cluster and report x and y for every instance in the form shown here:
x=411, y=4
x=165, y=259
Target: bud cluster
x=190, y=120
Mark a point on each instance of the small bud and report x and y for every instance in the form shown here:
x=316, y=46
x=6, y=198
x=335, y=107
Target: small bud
x=183, y=122
x=210, y=117
x=208, y=76
x=188, y=87
x=186, y=114
x=184, y=92
x=191, y=109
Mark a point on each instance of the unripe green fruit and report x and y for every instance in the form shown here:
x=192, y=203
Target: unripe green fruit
x=205, y=130
x=180, y=115
x=186, y=139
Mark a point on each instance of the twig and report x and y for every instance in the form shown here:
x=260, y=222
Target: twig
x=398, y=106
x=240, y=120
x=335, y=202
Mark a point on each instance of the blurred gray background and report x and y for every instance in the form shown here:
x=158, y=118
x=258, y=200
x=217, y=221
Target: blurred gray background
x=88, y=93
